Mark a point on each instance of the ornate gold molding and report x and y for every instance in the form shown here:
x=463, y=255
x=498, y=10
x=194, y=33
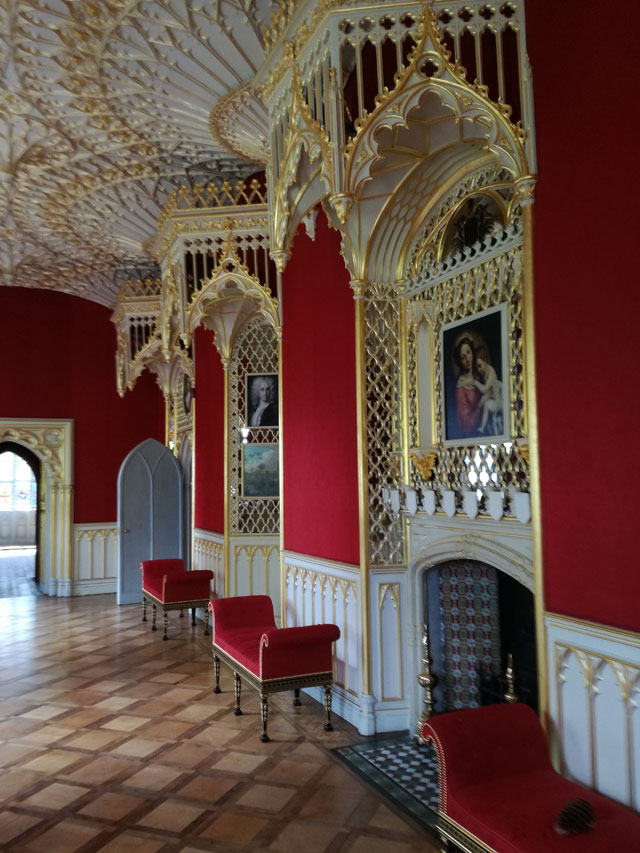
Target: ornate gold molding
x=228, y=299
x=240, y=123
x=448, y=81
x=304, y=134
x=424, y=463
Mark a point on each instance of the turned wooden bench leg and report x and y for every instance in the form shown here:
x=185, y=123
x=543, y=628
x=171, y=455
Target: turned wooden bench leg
x=238, y=687
x=206, y=622
x=153, y=616
x=144, y=609
x=216, y=672
x=327, y=705
x=264, y=713
x=193, y=616
x=165, y=623
x=296, y=697
x=182, y=614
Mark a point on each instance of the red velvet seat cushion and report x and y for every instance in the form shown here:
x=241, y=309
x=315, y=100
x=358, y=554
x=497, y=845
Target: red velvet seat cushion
x=173, y=566
x=243, y=645
x=496, y=780
x=153, y=585
x=243, y=611
x=288, y=652
x=517, y=813
x=245, y=628
x=169, y=582
x=191, y=586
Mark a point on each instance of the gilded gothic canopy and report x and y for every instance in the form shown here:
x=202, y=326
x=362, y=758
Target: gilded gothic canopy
x=105, y=107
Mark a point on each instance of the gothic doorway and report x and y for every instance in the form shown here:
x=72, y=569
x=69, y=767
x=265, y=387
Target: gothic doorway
x=20, y=519
x=476, y=617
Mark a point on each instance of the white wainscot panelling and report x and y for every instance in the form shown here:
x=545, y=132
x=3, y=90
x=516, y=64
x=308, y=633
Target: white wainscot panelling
x=318, y=591
x=255, y=562
x=594, y=696
x=573, y=723
x=351, y=635
x=634, y=739
x=610, y=735
x=340, y=612
x=95, y=568
x=390, y=648
x=208, y=554
x=391, y=651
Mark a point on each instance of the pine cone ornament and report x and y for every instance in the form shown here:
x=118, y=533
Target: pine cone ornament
x=576, y=816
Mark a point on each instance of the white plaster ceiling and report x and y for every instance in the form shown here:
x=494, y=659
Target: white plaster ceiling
x=104, y=107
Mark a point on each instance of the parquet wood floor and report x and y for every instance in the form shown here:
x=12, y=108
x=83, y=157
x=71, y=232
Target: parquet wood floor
x=112, y=740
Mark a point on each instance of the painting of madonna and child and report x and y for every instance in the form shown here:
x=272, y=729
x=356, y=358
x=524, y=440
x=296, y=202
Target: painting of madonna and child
x=475, y=378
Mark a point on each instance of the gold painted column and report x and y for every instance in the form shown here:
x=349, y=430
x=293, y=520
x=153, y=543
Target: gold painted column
x=404, y=396
x=167, y=418
x=534, y=459
x=283, y=588
x=359, y=288
x=227, y=523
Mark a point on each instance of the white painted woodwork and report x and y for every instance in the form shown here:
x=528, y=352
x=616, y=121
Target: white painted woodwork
x=594, y=687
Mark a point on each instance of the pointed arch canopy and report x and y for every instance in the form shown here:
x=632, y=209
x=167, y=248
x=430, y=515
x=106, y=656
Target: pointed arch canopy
x=229, y=299
x=424, y=137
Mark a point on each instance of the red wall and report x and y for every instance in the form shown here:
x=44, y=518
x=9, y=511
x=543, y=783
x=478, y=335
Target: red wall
x=319, y=398
x=587, y=310
x=59, y=362
x=209, y=434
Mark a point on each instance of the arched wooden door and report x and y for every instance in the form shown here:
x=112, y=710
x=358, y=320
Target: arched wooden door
x=149, y=513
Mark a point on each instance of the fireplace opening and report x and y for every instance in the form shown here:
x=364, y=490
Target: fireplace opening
x=479, y=620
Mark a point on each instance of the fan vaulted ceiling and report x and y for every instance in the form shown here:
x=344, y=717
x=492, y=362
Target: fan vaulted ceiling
x=104, y=108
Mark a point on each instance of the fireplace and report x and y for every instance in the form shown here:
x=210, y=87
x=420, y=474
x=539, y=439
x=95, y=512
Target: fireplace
x=479, y=620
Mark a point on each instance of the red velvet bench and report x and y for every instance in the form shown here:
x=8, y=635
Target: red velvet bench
x=499, y=791
x=168, y=584
x=270, y=659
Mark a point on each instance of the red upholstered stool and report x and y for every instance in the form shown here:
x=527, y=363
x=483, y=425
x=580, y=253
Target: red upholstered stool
x=168, y=584
x=270, y=659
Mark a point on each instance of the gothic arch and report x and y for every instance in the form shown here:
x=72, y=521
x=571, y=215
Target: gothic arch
x=34, y=463
x=459, y=546
x=228, y=300
x=422, y=139
x=51, y=441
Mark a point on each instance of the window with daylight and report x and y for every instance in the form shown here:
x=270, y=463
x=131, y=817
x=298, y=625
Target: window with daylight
x=18, y=489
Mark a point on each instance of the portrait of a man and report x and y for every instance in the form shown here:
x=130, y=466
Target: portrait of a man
x=262, y=400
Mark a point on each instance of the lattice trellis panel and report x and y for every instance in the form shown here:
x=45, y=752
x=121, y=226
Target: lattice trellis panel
x=412, y=369
x=495, y=281
x=384, y=438
x=182, y=415
x=255, y=351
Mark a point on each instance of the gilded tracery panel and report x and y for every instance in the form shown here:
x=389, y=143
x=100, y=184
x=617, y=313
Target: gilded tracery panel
x=493, y=282
x=384, y=420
